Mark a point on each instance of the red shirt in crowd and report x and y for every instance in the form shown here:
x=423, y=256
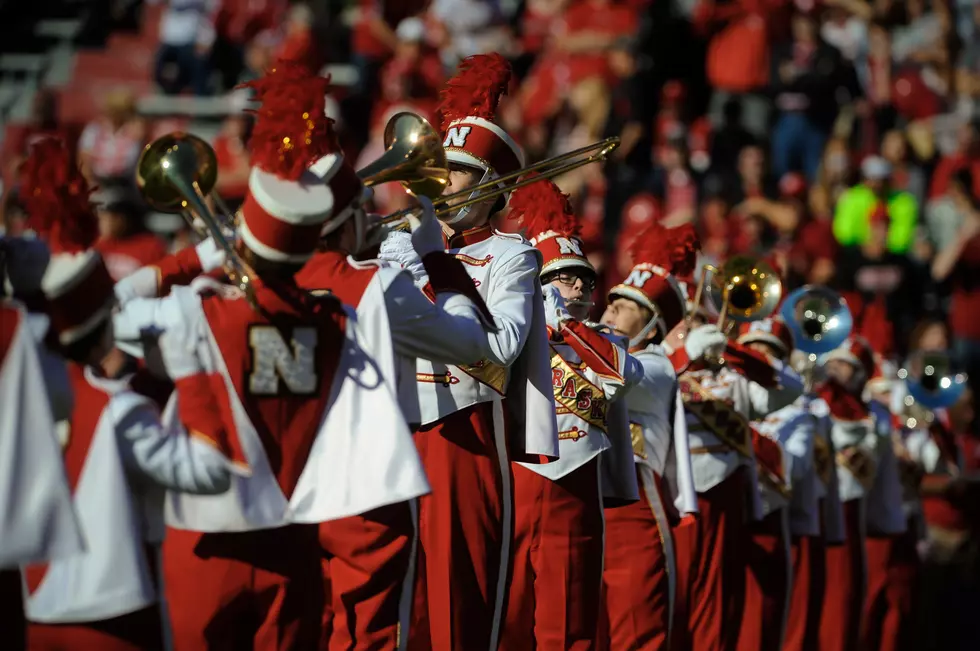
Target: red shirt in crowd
x=604, y=17
x=364, y=42
x=126, y=255
x=964, y=309
x=950, y=165
x=814, y=241
x=239, y=21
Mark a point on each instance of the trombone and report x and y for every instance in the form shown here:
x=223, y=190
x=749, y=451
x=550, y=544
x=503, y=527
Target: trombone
x=174, y=174
x=415, y=157
x=744, y=289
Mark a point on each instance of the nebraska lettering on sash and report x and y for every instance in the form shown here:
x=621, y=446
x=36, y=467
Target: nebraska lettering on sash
x=574, y=394
x=274, y=360
x=456, y=136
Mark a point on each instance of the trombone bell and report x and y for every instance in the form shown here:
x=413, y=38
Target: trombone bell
x=745, y=289
x=414, y=156
x=818, y=317
x=180, y=154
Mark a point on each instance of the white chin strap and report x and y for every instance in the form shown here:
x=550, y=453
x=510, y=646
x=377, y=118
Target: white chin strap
x=461, y=214
x=654, y=322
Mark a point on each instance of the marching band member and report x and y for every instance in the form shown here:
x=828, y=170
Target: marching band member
x=37, y=519
x=718, y=404
x=281, y=385
x=477, y=418
x=553, y=601
x=811, y=536
x=115, y=449
x=639, y=576
x=783, y=447
x=891, y=546
x=856, y=446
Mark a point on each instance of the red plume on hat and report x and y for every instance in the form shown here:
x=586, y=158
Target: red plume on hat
x=56, y=197
x=683, y=245
x=476, y=89
x=292, y=130
x=550, y=222
x=541, y=207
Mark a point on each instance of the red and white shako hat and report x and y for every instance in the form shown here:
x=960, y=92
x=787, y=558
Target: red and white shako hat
x=300, y=187
x=468, y=107
x=550, y=224
x=76, y=285
x=857, y=352
x=659, y=255
x=772, y=331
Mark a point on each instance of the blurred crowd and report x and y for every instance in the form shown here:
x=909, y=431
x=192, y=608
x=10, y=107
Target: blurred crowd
x=837, y=139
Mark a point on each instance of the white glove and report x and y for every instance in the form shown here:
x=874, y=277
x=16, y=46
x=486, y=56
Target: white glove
x=555, y=312
x=397, y=248
x=426, y=229
x=705, y=340
x=211, y=256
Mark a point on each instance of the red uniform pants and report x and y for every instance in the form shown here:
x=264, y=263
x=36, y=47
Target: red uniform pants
x=12, y=624
x=840, y=624
x=138, y=631
x=260, y=590
x=712, y=564
x=767, y=575
x=889, y=618
x=553, y=598
x=366, y=558
x=806, y=600
x=461, y=533
x=636, y=590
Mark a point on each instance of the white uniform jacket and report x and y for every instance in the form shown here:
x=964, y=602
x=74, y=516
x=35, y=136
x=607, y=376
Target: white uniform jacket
x=825, y=466
x=119, y=461
x=657, y=426
x=505, y=269
x=362, y=457
x=713, y=460
x=885, y=511
x=855, y=444
x=584, y=394
x=37, y=519
x=794, y=427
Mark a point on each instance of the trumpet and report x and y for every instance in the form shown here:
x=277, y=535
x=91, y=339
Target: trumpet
x=491, y=189
x=174, y=174
x=932, y=384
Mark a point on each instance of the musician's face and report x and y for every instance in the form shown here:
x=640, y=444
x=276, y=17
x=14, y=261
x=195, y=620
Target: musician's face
x=841, y=371
x=576, y=289
x=462, y=177
x=626, y=317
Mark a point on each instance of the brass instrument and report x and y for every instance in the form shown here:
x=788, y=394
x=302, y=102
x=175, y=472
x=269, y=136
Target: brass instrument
x=174, y=174
x=414, y=156
x=497, y=186
x=744, y=289
x=932, y=384
x=820, y=321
